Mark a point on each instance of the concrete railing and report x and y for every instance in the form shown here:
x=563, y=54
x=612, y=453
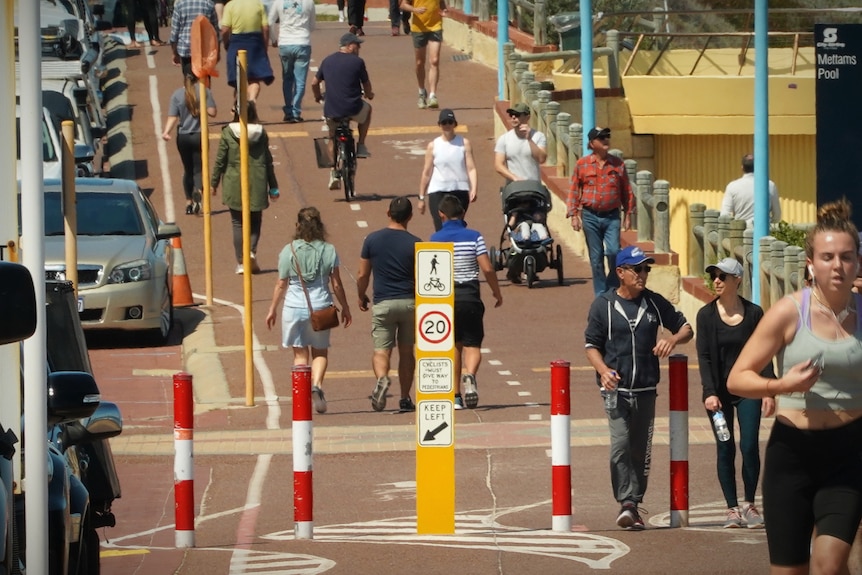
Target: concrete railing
x=715, y=237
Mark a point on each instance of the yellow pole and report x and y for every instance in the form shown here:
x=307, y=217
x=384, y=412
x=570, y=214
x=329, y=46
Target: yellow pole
x=242, y=88
x=70, y=212
x=206, y=191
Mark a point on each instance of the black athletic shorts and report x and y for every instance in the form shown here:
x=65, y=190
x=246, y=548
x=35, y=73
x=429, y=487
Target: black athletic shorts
x=469, y=323
x=811, y=478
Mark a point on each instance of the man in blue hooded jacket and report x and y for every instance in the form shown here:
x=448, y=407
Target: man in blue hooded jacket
x=628, y=329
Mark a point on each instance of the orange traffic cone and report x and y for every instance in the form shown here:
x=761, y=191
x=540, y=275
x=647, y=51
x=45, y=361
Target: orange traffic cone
x=182, y=289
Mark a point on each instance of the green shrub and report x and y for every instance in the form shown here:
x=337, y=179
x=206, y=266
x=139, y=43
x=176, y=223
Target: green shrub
x=787, y=233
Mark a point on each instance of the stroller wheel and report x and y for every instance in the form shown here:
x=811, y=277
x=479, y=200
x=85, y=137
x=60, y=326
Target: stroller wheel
x=530, y=270
x=559, y=265
x=494, y=256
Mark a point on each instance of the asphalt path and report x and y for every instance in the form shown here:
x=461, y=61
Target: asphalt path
x=364, y=462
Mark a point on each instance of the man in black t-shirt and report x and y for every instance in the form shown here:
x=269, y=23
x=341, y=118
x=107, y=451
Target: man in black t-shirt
x=390, y=254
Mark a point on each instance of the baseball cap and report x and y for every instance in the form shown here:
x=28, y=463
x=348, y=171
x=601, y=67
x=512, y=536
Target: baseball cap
x=632, y=256
x=727, y=265
x=446, y=114
x=598, y=132
x=349, y=38
x=519, y=109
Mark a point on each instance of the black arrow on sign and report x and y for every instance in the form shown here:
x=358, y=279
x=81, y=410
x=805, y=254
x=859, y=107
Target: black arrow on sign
x=431, y=434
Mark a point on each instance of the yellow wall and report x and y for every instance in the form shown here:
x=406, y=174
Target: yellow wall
x=699, y=167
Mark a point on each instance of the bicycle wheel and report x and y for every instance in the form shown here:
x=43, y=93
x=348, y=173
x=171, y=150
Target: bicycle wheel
x=344, y=170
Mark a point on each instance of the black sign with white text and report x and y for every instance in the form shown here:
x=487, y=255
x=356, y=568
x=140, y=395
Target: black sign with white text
x=838, y=51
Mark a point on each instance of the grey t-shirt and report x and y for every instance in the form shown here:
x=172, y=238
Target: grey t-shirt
x=519, y=158
x=188, y=124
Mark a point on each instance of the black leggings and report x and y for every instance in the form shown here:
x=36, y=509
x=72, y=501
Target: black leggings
x=146, y=10
x=189, y=146
x=434, y=203
x=811, y=478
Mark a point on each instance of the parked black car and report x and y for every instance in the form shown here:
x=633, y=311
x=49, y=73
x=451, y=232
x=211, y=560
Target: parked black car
x=83, y=481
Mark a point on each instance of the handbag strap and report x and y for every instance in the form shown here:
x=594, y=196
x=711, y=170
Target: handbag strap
x=301, y=282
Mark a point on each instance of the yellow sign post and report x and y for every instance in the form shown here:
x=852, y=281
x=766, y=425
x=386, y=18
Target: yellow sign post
x=435, y=390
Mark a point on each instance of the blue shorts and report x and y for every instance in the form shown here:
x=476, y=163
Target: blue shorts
x=297, y=332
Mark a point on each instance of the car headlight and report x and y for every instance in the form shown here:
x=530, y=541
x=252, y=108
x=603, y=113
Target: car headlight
x=138, y=270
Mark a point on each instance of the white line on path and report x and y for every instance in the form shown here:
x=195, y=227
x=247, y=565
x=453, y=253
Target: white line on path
x=170, y=216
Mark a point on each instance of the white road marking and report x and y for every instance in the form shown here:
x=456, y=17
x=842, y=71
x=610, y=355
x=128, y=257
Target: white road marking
x=495, y=362
x=513, y=383
x=477, y=530
x=355, y=207
x=361, y=224
x=710, y=517
x=504, y=372
x=167, y=188
x=535, y=417
x=524, y=394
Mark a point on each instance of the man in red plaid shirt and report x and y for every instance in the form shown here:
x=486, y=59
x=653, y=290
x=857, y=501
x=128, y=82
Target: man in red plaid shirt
x=600, y=189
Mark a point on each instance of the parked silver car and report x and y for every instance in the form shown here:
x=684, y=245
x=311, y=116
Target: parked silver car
x=125, y=260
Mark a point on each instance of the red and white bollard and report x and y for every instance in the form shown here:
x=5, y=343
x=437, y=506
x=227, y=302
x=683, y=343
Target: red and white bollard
x=184, y=484
x=303, y=489
x=678, y=440
x=561, y=459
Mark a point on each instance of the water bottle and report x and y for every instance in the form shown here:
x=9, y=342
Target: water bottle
x=610, y=396
x=720, y=424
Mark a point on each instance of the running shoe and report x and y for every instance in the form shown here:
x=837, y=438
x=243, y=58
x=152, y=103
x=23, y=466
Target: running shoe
x=752, y=517
x=432, y=101
x=406, y=24
x=471, y=390
x=378, y=396
x=422, y=103
x=459, y=402
x=362, y=151
x=190, y=210
x=238, y=270
x=628, y=515
x=255, y=269
x=396, y=31
x=334, y=180
x=733, y=519
x=405, y=405
x=318, y=399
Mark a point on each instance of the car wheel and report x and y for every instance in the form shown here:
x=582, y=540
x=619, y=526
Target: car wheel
x=166, y=318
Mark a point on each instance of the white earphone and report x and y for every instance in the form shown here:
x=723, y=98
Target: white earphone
x=811, y=272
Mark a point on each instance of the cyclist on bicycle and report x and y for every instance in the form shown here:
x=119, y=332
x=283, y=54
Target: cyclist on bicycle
x=346, y=79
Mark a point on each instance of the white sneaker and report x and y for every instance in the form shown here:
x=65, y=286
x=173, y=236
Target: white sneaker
x=334, y=180
x=238, y=271
x=255, y=269
x=471, y=391
x=341, y=15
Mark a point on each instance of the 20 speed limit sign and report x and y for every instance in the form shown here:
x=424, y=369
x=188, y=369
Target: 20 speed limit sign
x=434, y=327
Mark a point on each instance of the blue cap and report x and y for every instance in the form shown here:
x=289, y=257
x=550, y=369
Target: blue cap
x=632, y=256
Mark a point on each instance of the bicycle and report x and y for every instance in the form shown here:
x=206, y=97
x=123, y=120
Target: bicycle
x=345, y=156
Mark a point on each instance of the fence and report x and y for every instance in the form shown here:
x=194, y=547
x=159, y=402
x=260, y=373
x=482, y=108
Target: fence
x=715, y=237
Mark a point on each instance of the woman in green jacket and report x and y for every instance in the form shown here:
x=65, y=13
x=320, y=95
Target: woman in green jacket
x=263, y=186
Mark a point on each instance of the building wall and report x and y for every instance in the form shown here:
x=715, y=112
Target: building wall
x=699, y=167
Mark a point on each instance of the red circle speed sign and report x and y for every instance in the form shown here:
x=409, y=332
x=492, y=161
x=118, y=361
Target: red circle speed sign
x=435, y=327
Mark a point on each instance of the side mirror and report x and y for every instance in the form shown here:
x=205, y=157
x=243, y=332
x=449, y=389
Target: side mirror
x=168, y=231
x=17, y=303
x=106, y=422
x=71, y=395
x=84, y=153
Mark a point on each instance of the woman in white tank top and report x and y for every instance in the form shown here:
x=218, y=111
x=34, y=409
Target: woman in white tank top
x=449, y=169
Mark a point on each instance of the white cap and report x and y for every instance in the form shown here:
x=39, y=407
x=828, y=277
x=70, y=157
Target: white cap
x=727, y=265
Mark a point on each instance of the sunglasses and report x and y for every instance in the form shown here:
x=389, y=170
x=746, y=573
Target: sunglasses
x=604, y=138
x=516, y=115
x=639, y=268
x=447, y=123
x=722, y=276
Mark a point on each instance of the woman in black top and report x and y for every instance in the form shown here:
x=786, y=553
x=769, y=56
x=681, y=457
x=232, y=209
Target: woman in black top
x=723, y=327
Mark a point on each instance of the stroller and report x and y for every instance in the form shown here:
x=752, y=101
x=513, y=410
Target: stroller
x=525, y=244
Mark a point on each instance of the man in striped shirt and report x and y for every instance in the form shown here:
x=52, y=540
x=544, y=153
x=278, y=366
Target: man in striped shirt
x=600, y=189
x=471, y=256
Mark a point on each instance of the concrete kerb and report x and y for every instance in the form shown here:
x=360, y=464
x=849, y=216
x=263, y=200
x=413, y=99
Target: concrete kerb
x=201, y=359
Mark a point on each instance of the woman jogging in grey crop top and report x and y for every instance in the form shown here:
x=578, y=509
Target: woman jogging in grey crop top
x=813, y=469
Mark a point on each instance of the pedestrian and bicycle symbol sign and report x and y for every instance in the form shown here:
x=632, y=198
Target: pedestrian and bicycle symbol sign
x=435, y=423
x=434, y=327
x=434, y=273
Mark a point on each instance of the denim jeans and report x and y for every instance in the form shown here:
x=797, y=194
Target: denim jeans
x=748, y=413
x=602, y=234
x=294, y=67
x=631, y=427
